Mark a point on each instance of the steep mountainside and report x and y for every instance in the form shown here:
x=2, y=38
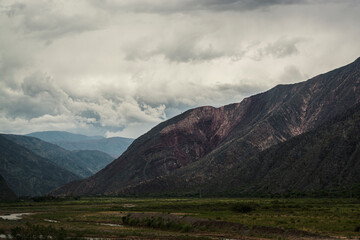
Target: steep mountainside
x=82, y=163
x=56, y=136
x=6, y=194
x=202, y=143
x=114, y=146
x=28, y=174
x=327, y=158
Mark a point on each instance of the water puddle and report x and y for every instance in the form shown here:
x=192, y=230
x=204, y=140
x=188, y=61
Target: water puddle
x=50, y=220
x=111, y=224
x=14, y=216
x=91, y=238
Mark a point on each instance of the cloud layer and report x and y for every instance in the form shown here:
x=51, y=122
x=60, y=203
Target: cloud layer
x=118, y=68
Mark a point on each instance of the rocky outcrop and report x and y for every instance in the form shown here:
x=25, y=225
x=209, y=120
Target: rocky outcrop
x=203, y=143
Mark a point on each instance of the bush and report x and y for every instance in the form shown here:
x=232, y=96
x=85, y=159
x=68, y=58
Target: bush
x=157, y=222
x=186, y=227
x=243, y=208
x=37, y=232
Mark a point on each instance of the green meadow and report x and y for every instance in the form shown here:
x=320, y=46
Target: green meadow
x=183, y=218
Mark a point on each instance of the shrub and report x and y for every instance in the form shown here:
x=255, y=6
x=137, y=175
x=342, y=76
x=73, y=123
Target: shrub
x=186, y=227
x=243, y=208
x=37, y=232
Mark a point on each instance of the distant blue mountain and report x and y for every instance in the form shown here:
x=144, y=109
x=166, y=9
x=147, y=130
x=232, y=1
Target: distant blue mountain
x=114, y=146
x=56, y=136
x=83, y=163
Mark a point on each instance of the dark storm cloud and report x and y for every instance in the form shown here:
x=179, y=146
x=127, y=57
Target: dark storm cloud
x=53, y=27
x=174, y=6
x=282, y=48
x=189, y=48
x=243, y=5
x=43, y=21
x=179, y=53
x=37, y=96
x=14, y=9
x=26, y=107
x=292, y=74
x=37, y=84
x=239, y=88
x=184, y=49
x=90, y=114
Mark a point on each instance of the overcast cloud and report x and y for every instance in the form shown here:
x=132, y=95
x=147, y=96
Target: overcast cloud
x=118, y=68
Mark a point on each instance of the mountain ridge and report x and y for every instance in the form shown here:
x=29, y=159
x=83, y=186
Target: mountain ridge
x=201, y=143
x=287, y=167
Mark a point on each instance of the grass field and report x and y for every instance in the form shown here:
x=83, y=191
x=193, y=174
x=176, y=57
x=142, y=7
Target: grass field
x=187, y=218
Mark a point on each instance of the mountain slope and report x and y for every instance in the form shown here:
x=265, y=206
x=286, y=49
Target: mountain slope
x=202, y=143
x=92, y=160
x=326, y=158
x=6, y=194
x=27, y=173
x=82, y=163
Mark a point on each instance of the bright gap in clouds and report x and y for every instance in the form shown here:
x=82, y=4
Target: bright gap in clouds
x=118, y=68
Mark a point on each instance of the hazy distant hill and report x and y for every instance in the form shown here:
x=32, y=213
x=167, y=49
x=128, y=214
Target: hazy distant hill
x=28, y=174
x=6, y=194
x=55, y=136
x=83, y=163
x=204, y=143
x=114, y=146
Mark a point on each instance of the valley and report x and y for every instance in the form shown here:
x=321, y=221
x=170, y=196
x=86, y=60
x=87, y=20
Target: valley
x=188, y=218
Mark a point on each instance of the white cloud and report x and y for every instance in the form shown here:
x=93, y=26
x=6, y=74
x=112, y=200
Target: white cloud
x=121, y=67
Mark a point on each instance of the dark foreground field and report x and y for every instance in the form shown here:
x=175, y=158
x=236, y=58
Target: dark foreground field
x=185, y=218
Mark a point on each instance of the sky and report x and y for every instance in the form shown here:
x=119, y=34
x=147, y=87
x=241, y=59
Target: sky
x=118, y=68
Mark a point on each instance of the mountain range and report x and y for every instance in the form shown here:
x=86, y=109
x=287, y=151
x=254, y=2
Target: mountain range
x=83, y=163
x=113, y=146
x=28, y=174
x=249, y=146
